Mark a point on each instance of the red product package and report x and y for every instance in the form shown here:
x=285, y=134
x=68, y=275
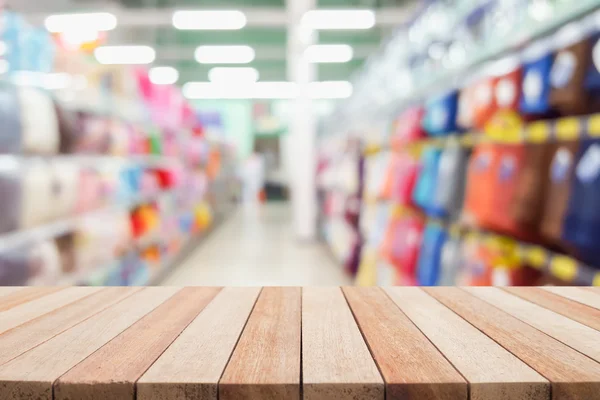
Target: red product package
x=407, y=170
x=407, y=127
x=405, y=248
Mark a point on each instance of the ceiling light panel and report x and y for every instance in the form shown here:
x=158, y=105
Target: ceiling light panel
x=339, y=19
x=163, y=75
x=209, y=20
x=125, y=55
x=100, y=21
x=224, y=54
x=329, y=53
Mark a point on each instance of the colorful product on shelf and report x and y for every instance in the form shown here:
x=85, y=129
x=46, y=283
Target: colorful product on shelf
x=36, y=188
x=424, y=192
x=408, y=127
x=406, y=173
x=63, y=198
x=508, y=85
x=479, y=195
x=567, y=76
x=450, y=185
x=466, y=104
x=506, y=177
x=484, y=102
x=405, y=245
x=450, y=261
x=530, y=192
x=428, y=269
x=582, y=220
x=559, y=182
x=592, y=76
x=440, y=114
x=14, y=266
x=39, y=129
x=535, y=92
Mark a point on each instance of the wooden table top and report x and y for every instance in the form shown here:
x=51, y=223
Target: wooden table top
x=290, y=343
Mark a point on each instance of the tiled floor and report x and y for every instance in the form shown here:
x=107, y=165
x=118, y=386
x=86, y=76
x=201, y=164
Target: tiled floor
x=256, y=247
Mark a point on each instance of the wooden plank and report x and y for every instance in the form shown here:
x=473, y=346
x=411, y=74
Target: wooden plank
x=572, y=333
x=573, y=376
x=24, y=337
x=492, y=372
x=411, y=366
x=104, y=376
x=192, y=366
x=266, y=362
x=6, y=290
x=569, y=308
x=336, y=363
x=32, y=374
x=25, y=295
x=25, y=312
x=576, y=294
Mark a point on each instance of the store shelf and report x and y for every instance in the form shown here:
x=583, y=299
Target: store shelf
x=13, y=240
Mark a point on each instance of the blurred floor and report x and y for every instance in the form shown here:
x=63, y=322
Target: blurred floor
x=256, y=247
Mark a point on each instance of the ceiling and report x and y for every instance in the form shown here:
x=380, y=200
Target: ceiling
x=150, y=25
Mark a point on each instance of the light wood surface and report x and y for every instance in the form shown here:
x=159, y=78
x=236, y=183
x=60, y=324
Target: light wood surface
x=292, y=343
x=569, y=308
x=32, y=374
x=101, y=376
x=192, y=366
x=24, y=337
x=266, y=362
x=572, y=333
x=27, y=311
x=493, y=373
x=411, y=366
x=582, y=295
x=25, y=295
x=5, y=290
x=336, y=363
x=573, y=376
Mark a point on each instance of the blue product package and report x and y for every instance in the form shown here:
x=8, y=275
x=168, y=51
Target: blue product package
x=428, y=268
x=581, y=226
x=535, y=96
x=424, y=192
x=440, y=114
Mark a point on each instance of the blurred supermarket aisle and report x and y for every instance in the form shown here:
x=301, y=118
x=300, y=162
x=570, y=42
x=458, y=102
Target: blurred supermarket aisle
x=256, y=247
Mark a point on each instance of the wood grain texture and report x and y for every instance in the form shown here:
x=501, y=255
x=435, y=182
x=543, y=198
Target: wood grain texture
x=24, y=337
x=104, y=376
x=493, y=373
x=25, y=295
x=569, y=308
x=578, y=294
x=192, y=366
x=572, y=333
x=265, y=364
x=26, y=312
x=573, y=376
x=52, y=359
x=6, y=290
x=411, y=366
x=336, y=362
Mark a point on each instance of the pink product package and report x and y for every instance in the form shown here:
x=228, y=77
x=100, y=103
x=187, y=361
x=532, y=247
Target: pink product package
x=407, y=127
x=406, y=173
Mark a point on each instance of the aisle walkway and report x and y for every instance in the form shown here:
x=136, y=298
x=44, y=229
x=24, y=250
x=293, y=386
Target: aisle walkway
x=256, y=247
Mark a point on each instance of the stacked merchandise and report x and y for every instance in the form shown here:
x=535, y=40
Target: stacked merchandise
x=499, y=172
x=339, y=183
x=104, y=177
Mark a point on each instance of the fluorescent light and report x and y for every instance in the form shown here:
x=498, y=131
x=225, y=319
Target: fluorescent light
x=339, y=19
x=329, y=53
x=230, y=74
x=256, y=90
x=330, y=90
x=125, y=54
x=163, y=75
x=209, y=20
x=265, y=90
x=100, y=21
x=224, y=54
